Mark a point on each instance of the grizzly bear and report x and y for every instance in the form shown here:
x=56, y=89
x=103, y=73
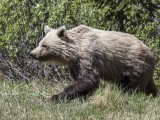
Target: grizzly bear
x=93, y=54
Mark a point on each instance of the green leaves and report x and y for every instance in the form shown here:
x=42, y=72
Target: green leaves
x=25, y=19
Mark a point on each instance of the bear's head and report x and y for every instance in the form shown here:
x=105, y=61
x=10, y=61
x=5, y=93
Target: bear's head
x=54, y=47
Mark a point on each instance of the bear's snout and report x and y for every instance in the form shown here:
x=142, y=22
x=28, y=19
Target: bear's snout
x=32, y=55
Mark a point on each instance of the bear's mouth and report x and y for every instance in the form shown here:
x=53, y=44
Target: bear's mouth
x=43, y=58
x=51, y=59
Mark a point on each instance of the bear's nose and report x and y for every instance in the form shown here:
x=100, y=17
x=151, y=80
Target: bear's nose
x=32, y=55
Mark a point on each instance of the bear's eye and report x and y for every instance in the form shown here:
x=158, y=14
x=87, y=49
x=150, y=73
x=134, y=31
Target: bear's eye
x=45, y=46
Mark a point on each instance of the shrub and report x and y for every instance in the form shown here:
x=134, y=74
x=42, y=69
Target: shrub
x=22, y=23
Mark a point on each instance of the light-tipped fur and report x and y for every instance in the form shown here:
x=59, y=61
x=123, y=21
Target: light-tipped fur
x=93, y=54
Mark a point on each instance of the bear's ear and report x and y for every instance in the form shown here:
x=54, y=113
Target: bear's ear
x=62, y=32
x=47, y=29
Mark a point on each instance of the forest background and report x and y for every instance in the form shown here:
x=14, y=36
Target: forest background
x=22, y=23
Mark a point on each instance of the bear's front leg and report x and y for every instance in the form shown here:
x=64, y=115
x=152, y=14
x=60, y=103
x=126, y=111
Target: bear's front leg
x=78, y=89
x=87, y=81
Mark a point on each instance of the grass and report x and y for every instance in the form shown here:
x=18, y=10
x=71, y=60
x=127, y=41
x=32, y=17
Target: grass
x=20, y=101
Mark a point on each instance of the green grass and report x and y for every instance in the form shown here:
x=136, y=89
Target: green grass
x=20, y=101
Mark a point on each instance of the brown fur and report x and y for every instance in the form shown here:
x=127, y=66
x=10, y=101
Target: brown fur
x=92, y=54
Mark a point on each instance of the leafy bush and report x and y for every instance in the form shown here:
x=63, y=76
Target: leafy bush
x=22, y=23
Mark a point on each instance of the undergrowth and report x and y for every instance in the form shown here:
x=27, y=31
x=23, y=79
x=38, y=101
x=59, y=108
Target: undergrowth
x=21, y=101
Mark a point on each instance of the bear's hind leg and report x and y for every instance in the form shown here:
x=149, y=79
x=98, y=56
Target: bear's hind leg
x=151, y=88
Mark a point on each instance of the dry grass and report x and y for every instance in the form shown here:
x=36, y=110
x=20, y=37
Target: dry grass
x=19, y=101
